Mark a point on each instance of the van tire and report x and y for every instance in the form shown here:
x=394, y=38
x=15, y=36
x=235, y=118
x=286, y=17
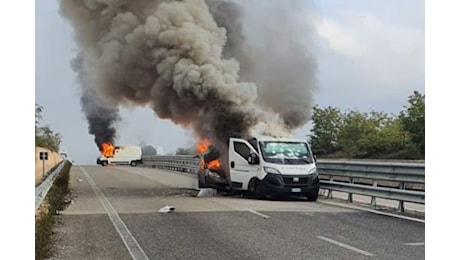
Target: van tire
x=133, y=163
x=312, y=196
x=259, y=192
x=104, y=163
x=254, y=187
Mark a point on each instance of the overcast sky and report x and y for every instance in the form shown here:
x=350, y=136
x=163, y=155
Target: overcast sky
x=370, y=56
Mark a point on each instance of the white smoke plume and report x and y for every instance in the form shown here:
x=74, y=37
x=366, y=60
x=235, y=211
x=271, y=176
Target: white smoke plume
x=192, y=62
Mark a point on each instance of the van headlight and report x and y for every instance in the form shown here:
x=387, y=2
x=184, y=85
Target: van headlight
x=271, y=170
x=312, y=171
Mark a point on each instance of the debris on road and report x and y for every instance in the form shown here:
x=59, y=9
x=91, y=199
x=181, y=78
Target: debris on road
x=166, y=209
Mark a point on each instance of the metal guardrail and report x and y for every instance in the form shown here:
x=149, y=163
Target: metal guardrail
x=181, y=163
x=373, y=178
x=400, y=172
x=42, y=190
x=340, y=176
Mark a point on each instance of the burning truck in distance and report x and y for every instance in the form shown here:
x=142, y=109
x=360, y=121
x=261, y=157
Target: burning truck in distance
x=262, y=165
x=119, y=155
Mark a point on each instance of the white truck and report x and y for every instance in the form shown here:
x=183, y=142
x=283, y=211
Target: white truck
x=122, y=155
x=265, y=166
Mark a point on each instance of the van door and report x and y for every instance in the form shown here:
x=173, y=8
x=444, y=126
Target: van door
x=241, y=171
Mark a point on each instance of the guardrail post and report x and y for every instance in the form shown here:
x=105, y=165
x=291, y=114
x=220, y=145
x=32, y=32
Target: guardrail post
x=373, y=202
x=350, y=195
x=402, y=186
x=329, y=192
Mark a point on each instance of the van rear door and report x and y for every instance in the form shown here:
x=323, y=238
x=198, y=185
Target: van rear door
x=241, y=172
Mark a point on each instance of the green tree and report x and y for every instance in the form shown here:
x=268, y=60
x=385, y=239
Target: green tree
x=326, y=127
x=44, y=136
x=384, y=135
x=148, y=150
x=355, y=133
x=391, y=137
x=48, y=139
x=370, y=135
x=413, y=121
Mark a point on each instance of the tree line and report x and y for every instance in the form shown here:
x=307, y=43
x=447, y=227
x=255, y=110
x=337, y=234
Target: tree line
x=44, y=136
x=355, y=134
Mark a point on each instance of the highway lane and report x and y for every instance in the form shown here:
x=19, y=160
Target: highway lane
x=114, y=215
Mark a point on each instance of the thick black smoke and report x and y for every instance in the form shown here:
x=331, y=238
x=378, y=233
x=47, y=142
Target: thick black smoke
x=193, y=62
x=101, y=120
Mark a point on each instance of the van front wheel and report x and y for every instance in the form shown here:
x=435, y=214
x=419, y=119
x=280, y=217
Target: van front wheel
x=256, y=189
x=312, y=196
x=133, y=163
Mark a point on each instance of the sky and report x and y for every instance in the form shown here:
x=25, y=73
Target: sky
x=370, y=55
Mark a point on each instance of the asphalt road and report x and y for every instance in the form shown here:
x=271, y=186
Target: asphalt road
x=114, y=215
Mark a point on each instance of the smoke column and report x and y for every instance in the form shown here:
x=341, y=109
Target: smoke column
x=273, y=41
x=101, y=119
x=193, y=62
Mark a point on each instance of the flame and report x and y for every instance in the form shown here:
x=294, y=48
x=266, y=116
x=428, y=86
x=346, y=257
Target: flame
x=107, y=149
x=214, y=164
x=202, y=147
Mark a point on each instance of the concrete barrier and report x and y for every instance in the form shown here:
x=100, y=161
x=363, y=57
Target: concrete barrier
x=53, y=159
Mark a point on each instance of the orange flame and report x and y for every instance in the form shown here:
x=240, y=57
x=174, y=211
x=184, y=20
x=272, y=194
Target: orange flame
x=214, y=164
x=107, y=149
x=202, y=147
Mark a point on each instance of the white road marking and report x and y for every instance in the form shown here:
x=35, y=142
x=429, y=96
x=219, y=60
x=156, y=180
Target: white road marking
x=370, y=210
x=416, y=244
x=257, y=213
x=130, y=242
x=357, y=250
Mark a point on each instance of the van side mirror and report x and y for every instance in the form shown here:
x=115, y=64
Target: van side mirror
x=253, y=159
x=314, y=158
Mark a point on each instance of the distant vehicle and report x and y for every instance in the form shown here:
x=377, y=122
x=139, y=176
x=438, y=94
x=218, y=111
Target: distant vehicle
x=265, y=166
x=122, y=155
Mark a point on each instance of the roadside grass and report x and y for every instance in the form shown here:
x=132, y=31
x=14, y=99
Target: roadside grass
x=56, y=200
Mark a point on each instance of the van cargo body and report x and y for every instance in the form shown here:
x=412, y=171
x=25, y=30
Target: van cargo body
x=267, y=166
x=122, y=155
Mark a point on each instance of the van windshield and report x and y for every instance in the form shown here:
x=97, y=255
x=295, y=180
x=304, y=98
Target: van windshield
x=285, y=152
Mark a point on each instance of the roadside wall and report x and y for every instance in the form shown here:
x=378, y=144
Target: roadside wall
x=53, y=159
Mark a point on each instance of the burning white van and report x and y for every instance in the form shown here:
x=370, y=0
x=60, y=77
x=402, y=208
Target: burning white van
x=264, y=166
x=120, y=155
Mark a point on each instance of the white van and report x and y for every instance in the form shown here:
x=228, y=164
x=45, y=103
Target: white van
x=265, y=166
x=123, y=155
